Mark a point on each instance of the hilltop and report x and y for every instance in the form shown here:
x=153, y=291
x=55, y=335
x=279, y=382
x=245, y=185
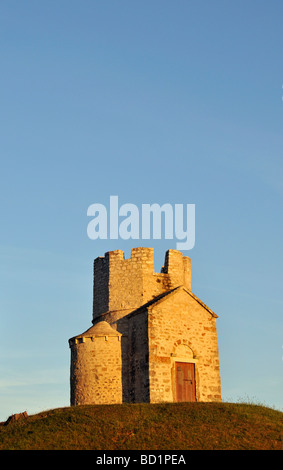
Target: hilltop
x=175, y=426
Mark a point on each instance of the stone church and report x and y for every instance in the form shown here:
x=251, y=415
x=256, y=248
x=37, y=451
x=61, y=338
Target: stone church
x=151, y=340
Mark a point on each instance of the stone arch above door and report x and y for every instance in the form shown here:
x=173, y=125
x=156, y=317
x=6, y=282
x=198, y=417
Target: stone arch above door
x=183, y=349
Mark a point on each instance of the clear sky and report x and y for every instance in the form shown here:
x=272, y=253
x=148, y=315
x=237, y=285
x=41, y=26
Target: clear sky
x=156, y=101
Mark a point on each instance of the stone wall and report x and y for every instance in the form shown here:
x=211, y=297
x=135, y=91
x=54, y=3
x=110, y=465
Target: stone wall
x=138, y=358
x=181, y=329
x=96, y=366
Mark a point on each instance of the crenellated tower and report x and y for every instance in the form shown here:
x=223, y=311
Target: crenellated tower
x=121, y=285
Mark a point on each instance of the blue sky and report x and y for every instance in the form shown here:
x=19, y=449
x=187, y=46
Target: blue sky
x=156, y=102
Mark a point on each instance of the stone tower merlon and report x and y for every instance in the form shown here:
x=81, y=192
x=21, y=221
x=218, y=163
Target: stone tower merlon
x=121, y=285
x=178, y=267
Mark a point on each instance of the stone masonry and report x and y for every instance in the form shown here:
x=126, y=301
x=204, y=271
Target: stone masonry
x=152, y=339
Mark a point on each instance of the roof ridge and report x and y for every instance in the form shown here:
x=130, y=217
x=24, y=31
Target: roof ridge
x=162, y=296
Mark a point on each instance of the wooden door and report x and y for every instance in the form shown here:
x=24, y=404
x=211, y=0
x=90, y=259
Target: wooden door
x=185, y=381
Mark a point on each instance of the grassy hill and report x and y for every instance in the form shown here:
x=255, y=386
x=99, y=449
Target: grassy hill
x=176, y=426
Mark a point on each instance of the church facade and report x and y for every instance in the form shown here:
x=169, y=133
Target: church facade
x=151, y=340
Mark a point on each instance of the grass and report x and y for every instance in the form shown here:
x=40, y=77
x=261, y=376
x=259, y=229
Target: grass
x=174, y=426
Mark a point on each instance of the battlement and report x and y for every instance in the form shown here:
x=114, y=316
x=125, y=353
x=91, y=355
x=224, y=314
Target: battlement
x=121, y=283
